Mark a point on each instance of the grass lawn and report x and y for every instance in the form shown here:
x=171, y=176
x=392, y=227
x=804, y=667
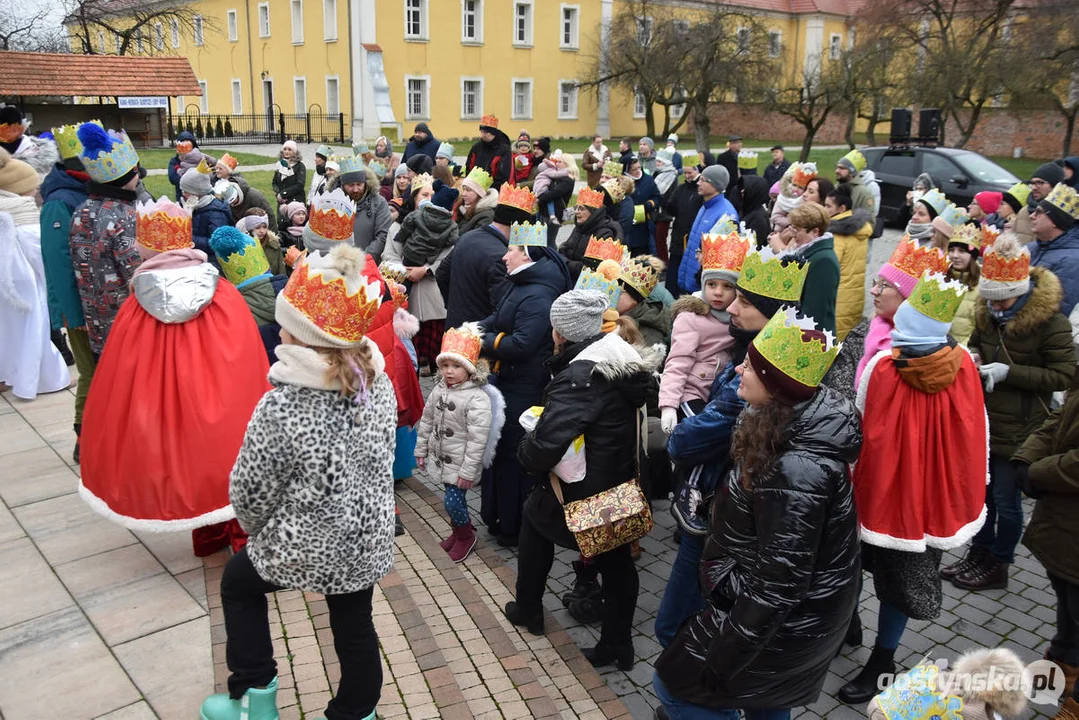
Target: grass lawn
x=159, y=185
x=152, y=158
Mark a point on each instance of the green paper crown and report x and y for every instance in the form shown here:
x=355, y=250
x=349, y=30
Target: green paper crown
x=765, y=273
x=784, y=344
x=613, y=168
x=481, y=177
x=857, y=159
x=67, y=140
x=937, y=297
x=243, y=266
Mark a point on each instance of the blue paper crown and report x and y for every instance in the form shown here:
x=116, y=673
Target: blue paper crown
x=106, y=155
x=351, y=164
x=589, y=280
x=724, y=226
x=529, y=234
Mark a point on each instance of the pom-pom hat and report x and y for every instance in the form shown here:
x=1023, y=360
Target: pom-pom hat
x=578, y=314
x=107, y=155
x=909, y=261
x=1005, y=269
x=196, y=181
x=791, y=355
x=240, y=256
x=462, y=345
x=67, y=140
x=161, y=226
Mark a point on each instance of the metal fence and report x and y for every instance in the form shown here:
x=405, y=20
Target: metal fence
x=271, y=127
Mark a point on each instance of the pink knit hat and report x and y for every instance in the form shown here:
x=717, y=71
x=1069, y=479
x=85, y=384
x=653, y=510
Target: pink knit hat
x=294, y=207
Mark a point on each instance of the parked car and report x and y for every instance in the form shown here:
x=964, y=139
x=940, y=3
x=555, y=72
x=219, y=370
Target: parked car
x=960, y=174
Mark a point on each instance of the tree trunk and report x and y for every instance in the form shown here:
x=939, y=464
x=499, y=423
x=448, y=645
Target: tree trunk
x=848, y=134
x=1069, y=130
x=649, y=119
x=966, y=133
x=871, y=128
x=702, y=126
x=807, y=143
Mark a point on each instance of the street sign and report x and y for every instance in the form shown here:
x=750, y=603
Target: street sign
x=142, y=103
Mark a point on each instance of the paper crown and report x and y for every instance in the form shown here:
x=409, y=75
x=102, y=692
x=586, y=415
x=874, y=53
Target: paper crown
x=183, y=147
x=989, y=236
x=106, y=155
x=724, y=252
x=342, y=314
x=747, y=160
x=640, y=275
x=593, y=280
x=691, y=160
x=855, y=158
x=953, y=215
x=465, y=342
x=162, y=225
x=1020, y=192
x=240, y=256
x=804, y=357
x=528, y=234
x=613, y=168
x=590, y=198
x=912, y=260
x=614, y=189
x=724, y=226
x=517, y=197
x=331, y=216
x=803, y=173
x=1006, y=262
x=969, y=236
x=350, y=164
x=1065, y=198
x=360, y=147
x=10, y=132
x=935, y=199
x=203, y=167
x=766, y=274
x=228, y=160
x=378, y=168
x=480, y=177
x=422, y=181
x=937, y=297
x=393, y=271
x=489, y=120
x=67, y=140
x=605, y=249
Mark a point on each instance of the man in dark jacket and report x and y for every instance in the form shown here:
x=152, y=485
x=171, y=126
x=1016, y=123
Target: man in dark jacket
x=174, y=162
x=422, y=142
x=625, y=153
x=1056, y=241
x=683, y=206
x=753, y=206
x=646, y=202
x=777, y=167
x=492, y=152
x=729, y=159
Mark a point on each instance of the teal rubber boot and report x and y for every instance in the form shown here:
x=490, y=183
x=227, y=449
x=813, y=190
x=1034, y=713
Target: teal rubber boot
x=256, y=704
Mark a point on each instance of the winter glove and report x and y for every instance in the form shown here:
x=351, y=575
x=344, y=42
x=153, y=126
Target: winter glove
x=992, y=374
x=1022, y=479
x=668, y=419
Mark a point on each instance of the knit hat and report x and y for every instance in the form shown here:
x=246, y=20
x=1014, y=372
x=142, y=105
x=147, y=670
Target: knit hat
x=352, y=170
x=333, y=165
x=578, y=314
x=445, y=196
x=328, y=302
x=294, y=208
x=108, y=155
x=230, y=192
x=649, y=142
x=161, y=226
x=249, y=222
x=240, y=256
x=989, y=201
x=402, y=169
x=791, y=355
x=515, y=205
x=330, y=223
x=544, y=144
x=1062, y=206
x=909, y=261
x=770, y=281
x=1016, y=196
x=672, y=138
x=290, y=145
x=665, y=155
x=323, y=151
x=420, y=164
x=478, y=181
x=716, y=176
x=17, y=176
x=722, y=256
x=1005, y=269
x=1050, y=172
x=462, y=345
x=934, y=201
x=951, y=217
x=445, y=150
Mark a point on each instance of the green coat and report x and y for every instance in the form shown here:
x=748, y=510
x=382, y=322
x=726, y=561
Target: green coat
x=1053, y=454
x=653, y=320
x=822, y=281
x=1037, y=345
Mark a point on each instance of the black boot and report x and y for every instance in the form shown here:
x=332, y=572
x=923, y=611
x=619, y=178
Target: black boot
x=865, y=684
x=975, y=556
x=585, y=584
x=60, y=341
x=78, y=435
x=990, y=574
x=587, y=611
x=602, y=654
x=530, y=620
x=398, y=526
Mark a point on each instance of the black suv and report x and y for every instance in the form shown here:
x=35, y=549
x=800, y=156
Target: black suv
x=960, y=174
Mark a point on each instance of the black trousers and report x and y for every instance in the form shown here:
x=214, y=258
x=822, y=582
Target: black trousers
x=249, y=650
x=535, y=555
x=1064, y=646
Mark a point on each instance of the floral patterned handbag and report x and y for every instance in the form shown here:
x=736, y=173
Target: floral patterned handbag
x=611, y=518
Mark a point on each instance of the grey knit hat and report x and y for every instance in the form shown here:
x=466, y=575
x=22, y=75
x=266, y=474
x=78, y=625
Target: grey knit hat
x=716, y=176
x=196, y=183
x=578, y=314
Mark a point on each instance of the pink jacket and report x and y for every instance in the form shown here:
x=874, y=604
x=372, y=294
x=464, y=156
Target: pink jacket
x=700, y=345
x=545, y=174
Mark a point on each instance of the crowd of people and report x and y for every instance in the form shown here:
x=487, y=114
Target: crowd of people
x=249, y=371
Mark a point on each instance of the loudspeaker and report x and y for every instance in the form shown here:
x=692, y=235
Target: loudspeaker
x=929, y=124
x=901, y=118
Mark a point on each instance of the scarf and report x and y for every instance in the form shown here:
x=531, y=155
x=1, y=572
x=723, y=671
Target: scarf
x=295, y=231
x=878, y=338
x=920, y=231
x=722, y=315
x=785, y=204
x=1003, y=317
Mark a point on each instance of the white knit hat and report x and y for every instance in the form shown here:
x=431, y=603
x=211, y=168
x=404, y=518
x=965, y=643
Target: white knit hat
x=578, y=314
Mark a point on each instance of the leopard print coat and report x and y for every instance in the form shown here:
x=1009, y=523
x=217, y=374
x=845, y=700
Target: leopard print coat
x=313, y=483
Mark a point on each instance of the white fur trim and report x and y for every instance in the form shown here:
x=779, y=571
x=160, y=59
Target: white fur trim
x=863, y=384
x=158, y=526
x=457, y=358
x=498, y=421
x=405, y=324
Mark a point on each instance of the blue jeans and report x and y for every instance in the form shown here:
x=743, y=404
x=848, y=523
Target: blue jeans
x=1004, y=512
x=682, y=599
x=678, y=710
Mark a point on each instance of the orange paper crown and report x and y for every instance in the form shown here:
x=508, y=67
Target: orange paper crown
x=804, y=173
x=989, y=236
x=465, y=341
x=913, y=260
x=998, y=268
x=330, y=306
x=723, y=252
x=183, y=147
x=162, y=226
x=605, y=249
x=590, y=198
x=489, y=120
x=229, y=160
x=517, y=197
x=331, y=216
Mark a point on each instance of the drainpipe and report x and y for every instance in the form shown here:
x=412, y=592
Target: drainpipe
x=351, y=80
x=250, y=56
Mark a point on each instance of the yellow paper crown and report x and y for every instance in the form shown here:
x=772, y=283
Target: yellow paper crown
x=329, y=305
x=204, y=167
x=613, y=168
x=937, y=297
x=1006, y=261
x=912, y=259
x=481, y=177
x=796, y=347
x=1065, y=198
x=640, y=275
x=747, y=160
x=517, y=197
x=67, y=140
x=600, y=249
x=422, y=181
x=614, y=188
x=968, y=235
x=245, y=265
x=331, y=216
x=465, y=341
x=855, y=158
x=724, y=252
x=1020, y=191
x=691, y=160
x=163, y=225
x=768, y=275
x=590, y=198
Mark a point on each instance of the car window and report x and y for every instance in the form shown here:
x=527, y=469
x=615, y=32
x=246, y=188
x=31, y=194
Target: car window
x=898, y=164
x=984, y=169
x=872, y=157
x=940, y=168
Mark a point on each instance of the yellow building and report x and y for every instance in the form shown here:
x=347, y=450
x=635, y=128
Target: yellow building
x=388, y=64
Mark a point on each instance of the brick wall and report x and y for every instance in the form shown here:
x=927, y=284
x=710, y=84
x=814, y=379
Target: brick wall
x=1040, y=133
x=752, y=121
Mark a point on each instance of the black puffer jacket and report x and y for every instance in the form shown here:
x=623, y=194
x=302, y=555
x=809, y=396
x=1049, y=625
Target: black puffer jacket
x=683, y=205
x=780, y=573
x=599, y=225
x=473, y=278
x=753, y=207
x=495, y=157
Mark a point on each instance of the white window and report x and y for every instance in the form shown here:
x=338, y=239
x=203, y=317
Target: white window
x=329, y=20
x=264, y=20
x=567, y=99
x=472, y=21
x=835, y=46
x=204, y=98
x=333, y=95
x=640, y=106
x=568, y=39
x=174, y=28
x=297, y=22
x=678, y=110
x=138, y=39
x=775, y=43
x=471, y=98
x=237, y=97
x=180, y=106
x=159, y=36
x=522, y=99
x=681, y=28
x=196, y=23
x=299, y=92
x=743, y=40
x=119, y=42
x=417, y=102
x=522, y=23
x=101, y=41
x=415, y=19
x=644, y=31
x=234, y=32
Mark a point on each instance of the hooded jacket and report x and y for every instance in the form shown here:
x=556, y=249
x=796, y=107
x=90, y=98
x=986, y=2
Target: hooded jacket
x=850, y=238
x=425, y=233
x=496, y=157
x=861, y=196
x=709, y=214
x=62, y=193
x=1061, y=257
x=472, y=278
x=822, y=281
x=290, y=182
x=206, y=219
x=779, y=572
x=371, y=223
x=754, y=206
x=261, y=300
x=653, y=320
x=645, y=193
x=1037, y=345
x=700, y=344
x=683, y=206
x=598, y=225
x=428, y=147
x=482, y=214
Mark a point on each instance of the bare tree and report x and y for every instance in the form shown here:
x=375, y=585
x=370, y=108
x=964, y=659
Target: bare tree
x=130, y=26
x=810, y=102
x=873, y=81
x=28, y=31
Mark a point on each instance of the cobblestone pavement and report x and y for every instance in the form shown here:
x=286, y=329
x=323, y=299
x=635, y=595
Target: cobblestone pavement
x=129, y=625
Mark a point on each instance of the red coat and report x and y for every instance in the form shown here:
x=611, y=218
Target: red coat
x=399, y=368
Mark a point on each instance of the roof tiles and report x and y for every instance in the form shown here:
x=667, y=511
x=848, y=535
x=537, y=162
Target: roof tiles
x=37, y=74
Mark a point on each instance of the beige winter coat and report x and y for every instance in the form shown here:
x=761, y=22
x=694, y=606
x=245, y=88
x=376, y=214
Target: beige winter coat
x=455, y=431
